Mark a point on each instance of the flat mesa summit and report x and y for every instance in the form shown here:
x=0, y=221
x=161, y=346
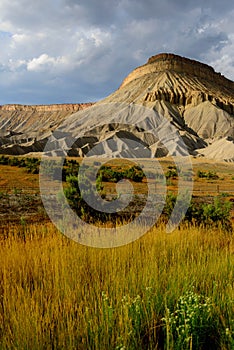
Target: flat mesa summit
x=169, y=98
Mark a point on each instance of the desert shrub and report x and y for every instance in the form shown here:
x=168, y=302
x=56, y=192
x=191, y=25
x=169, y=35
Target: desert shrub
x=46, y=167
x=72, y=191
x=53, y=168
x=210, y=175
x=201, y=174
x=171, y=173
x=74, y=197
x=216, y=214
x=4, y=160
x=13, y=161
x=70, y=167
x=109, y=175
x=224, y=195
x=134, y=173
x=71, y=161
x=32, y=165
x=22, y=162
x=32, y=168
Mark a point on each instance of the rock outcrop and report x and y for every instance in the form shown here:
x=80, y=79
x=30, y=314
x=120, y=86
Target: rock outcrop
x=65, y=107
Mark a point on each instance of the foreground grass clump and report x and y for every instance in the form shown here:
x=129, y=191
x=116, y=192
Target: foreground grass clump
x=164, y=291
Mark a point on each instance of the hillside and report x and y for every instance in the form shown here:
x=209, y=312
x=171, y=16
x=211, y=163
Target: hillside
x=187, y=101
x=26, y=129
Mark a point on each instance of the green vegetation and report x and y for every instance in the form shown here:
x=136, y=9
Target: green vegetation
x=164, y=291
x=172, y=173
x=210, y=175
x=214, y=214
x=74, y=197
x=52, y=168
x=31, y=164
x=133, y=173
x=188, y=326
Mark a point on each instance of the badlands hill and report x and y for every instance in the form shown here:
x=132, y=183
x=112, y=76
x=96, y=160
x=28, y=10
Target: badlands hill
x=168, y=99
x=26, y=129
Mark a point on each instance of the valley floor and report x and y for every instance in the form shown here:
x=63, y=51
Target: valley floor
x=20, y=193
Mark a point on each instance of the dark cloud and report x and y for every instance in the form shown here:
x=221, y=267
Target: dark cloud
x=102, y=13
x=71, y=50
x=106, y=12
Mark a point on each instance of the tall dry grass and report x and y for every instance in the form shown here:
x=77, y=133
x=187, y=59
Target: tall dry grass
x=57, y=294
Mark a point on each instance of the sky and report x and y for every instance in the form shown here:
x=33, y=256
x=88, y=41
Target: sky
x=73, y=51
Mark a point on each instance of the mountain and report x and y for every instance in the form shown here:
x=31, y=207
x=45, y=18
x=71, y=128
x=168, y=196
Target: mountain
x=170, y=105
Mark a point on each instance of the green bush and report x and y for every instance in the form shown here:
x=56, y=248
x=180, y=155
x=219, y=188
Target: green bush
x=215, y=214
x=134, y=173
x=172, y=172
x=210, y=175
x=13, y=161
x=32, y=165
x=74, y=196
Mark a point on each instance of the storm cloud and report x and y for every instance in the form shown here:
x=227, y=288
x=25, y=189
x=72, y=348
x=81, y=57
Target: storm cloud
x=78, y=51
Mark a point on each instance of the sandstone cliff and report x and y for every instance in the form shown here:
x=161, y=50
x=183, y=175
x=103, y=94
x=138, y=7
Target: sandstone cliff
x=65, y=107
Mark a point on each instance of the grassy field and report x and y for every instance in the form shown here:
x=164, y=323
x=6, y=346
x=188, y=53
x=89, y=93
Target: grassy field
x=164, y=291
x=15, y=181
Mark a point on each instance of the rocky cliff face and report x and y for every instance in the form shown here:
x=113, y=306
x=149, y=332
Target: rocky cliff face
x=184, y=82
x=195, y=99
x=20, y=119
x=177, y=64
x=26, y=128
x=69, y=107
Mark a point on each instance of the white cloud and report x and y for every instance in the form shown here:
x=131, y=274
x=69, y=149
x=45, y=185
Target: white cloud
x=89, y=47
x=45, y=62
x=223, y=62
x=19, y=38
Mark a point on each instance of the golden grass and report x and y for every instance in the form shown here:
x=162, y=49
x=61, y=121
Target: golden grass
x=57, y=294
x=13, y=177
